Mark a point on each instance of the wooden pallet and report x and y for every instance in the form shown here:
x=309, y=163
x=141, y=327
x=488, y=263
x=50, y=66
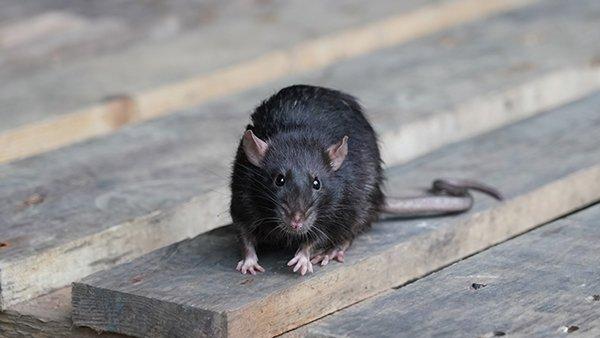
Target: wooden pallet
x=159, y=76
x=543, y=284
x=95, y=205
x=191, y=288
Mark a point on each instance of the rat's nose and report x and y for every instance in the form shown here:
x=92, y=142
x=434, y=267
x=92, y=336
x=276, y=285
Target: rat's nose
x=297, y=221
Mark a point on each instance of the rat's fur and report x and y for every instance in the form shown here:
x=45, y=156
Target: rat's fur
x=299, y=123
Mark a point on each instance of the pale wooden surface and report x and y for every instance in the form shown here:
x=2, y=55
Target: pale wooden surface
x=46, y=316
x=110, y=200
x=536, y=285
x=156, y=43
x=191, y=288
x=172, y=75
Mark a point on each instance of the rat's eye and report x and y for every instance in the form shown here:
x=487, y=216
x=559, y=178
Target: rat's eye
x=316, y=184
x=279, y=180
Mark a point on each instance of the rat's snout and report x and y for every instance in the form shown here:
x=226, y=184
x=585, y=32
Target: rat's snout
x=297, y=221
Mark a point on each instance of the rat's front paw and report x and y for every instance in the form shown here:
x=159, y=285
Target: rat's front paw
x=325, y=256
x=249, y=265
x=302, y=263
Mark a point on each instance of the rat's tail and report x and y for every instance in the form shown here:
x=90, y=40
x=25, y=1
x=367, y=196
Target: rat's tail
x=447, y=196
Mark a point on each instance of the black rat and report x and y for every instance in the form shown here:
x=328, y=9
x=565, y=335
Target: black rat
x=308, y=174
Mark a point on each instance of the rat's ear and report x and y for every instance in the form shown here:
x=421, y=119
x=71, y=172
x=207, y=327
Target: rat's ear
x=254, y=148
x=337, y=153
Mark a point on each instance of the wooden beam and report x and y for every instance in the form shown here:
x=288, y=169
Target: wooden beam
x=110, y=200
x=47, y=316
x=192, y=289
x=543, y=284
x=103, y=118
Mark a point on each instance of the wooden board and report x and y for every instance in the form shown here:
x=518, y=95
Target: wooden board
x=164, y=76
x=37, y=35
x=192, y=289
x=47, y=316
x=545, y=283
x=91, y=206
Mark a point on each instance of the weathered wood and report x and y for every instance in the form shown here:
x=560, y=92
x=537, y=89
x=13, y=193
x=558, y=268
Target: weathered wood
x=110, y=200
x=41, y=34
x=46, y=316
x=191, y=288
x=542, y=284
x=176, y=75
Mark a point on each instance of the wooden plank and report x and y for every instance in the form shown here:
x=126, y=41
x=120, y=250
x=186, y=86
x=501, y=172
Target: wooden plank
x=46, y=316
x=191, y=288
x=542, y=284
x=110, y=200
x=39, y=35
x=150, y=96
x=201, y=40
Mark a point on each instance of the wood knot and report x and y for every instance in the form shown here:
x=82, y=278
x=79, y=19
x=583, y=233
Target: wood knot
x=4, y=245
x=121, y=110
x=33, y=199
x=136, y=279
x=247, y=281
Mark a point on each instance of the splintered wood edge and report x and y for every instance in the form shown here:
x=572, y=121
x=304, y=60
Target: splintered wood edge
x=208, y=211
x=103, y=118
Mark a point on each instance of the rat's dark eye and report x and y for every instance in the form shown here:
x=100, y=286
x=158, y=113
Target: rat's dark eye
x=316, y=184
x=279, y=180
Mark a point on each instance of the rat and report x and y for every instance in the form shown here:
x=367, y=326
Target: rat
x=308, y=175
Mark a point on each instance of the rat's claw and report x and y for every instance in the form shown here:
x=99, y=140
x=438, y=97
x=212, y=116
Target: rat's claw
x=301, y=263
x=325, y=257
x=249, y=265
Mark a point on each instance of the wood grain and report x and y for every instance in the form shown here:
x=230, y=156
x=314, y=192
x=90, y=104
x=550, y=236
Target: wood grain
x=101, y=118
x=47, y=316
x=544, y=284
x=109, y=200
x=191, y=287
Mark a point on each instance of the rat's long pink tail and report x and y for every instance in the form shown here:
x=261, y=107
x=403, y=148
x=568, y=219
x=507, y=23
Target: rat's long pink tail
x=448, y=196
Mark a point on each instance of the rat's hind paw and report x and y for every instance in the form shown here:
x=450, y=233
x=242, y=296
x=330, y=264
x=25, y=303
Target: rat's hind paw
x=249, y=265
x=324, y=257
x=302, y=263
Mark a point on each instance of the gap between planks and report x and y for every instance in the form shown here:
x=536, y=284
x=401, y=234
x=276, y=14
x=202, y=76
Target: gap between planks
x=106, y=117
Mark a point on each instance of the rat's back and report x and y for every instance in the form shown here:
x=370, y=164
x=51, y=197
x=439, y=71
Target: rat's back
x=316, y=110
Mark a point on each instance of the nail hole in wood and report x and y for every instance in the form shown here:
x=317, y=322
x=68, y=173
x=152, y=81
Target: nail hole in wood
x=477, y=286
x=570, y=328
x=499, y=334
x=3, y=245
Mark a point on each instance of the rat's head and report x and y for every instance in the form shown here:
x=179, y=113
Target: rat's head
x=300, y=178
